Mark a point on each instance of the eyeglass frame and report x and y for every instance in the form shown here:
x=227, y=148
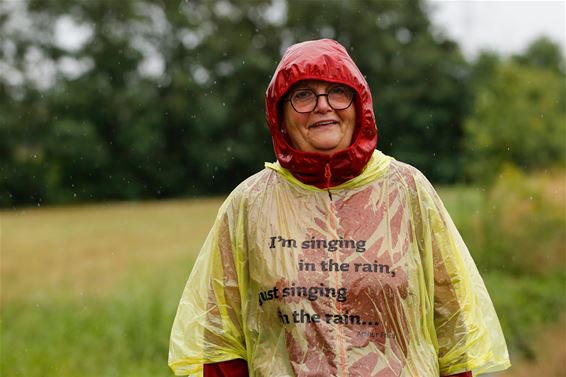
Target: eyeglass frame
x=321, y=95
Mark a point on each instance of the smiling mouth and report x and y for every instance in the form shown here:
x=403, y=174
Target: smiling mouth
x=323, y=123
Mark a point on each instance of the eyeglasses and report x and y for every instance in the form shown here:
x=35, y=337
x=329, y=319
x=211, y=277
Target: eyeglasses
x=305, y=100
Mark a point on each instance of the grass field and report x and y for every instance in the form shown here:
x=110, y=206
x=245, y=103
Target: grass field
x=92, y=290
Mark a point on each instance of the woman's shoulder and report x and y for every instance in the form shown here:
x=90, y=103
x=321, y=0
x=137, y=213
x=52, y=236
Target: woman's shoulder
x=252, y=187
x=255, y=183
x=405, y=174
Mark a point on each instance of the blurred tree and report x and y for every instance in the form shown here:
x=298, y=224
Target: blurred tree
x=164, y=98
x=543, y=54
x=22, y=174
x=519, y=119
x=177, y=109
x=484, y=70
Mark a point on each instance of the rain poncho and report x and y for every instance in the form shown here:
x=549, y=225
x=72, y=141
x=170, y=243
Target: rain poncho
x=369, y=278
x=366, y=277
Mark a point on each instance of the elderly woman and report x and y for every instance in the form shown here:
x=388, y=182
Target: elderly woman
x=337, y=260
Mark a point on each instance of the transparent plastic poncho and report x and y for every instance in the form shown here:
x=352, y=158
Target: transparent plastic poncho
x=369, y=278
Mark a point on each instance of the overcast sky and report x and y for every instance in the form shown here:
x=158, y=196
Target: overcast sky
x=504, y=26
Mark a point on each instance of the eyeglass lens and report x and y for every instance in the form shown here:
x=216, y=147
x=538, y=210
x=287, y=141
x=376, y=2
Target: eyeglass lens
x=305, y=100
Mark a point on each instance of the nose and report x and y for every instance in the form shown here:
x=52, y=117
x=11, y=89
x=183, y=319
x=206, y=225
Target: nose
x=322, y=106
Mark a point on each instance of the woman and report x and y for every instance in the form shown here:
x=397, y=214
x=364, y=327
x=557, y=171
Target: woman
x=337, y=260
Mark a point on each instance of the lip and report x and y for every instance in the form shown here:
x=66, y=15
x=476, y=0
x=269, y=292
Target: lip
x=323, y=123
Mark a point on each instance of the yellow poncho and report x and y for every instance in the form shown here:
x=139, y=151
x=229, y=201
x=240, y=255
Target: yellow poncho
x=369, y=278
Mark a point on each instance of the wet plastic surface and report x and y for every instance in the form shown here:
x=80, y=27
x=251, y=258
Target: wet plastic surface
x=369, y=278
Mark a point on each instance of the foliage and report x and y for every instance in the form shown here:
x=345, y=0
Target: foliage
x=523, y=213
x=543, y=54
x=515, y=232
x=524, y=306
x=515, y=227
x=519, y=118
x=159, y=99
x=165, y=98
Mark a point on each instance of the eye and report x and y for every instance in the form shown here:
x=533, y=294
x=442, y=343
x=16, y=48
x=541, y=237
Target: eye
x=302, y=95
x=340, y=90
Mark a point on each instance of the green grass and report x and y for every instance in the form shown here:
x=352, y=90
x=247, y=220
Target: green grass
x=525, y=306
x=464, y=204
x=92, y=290
x=123, y=334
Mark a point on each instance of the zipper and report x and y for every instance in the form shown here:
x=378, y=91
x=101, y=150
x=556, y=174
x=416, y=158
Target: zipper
x=327, y=177
x=336, y=276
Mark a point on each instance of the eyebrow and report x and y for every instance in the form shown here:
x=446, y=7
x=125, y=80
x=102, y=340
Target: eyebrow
x=307, y=86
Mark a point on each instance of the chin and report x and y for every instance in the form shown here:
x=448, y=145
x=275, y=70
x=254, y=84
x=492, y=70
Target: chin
x=326, y=149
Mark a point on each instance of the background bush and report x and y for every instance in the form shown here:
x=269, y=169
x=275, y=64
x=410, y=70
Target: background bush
x=521, y=223
x=519, y=118
x=515, y=232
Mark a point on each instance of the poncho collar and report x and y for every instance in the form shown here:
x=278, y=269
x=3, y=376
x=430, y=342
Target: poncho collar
x=325, y=60
x=375, y=168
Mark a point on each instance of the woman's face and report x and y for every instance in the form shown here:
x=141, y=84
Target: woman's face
x=323, y=130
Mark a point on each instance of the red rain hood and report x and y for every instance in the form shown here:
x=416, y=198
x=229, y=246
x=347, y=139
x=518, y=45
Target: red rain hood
x=325, y=60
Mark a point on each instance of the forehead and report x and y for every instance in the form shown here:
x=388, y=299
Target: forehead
x=312, y=84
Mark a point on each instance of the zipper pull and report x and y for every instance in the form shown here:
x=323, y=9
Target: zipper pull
x=327, y=174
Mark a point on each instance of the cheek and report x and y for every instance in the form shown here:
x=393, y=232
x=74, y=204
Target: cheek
x=293, y=121
x=287, y=118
